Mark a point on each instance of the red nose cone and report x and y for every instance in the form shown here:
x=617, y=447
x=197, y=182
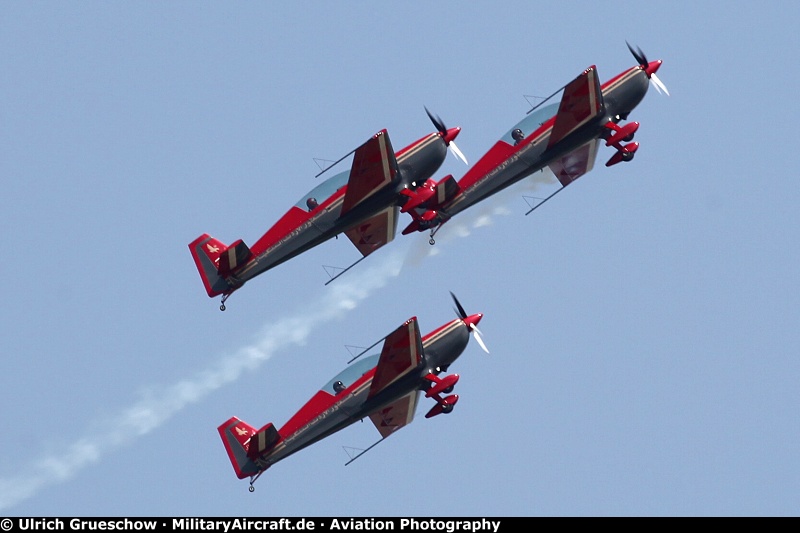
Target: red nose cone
x=652, y=67
x=473, y=320
x=451, y=134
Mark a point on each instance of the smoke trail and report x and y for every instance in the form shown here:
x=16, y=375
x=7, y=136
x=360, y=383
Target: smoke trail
x=156, y=408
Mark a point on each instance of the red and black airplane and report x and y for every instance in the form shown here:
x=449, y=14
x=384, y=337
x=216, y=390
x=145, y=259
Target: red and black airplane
x=384, y=387
x=362, y=203
x=563, y=136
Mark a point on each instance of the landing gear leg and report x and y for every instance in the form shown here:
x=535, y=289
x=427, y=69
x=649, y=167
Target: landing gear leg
x=222, y=302
x=253, y=479
x=432, y=241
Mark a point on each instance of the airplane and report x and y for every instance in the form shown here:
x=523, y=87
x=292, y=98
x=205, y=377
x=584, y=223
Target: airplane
x=361, y=203
x=383, y=387
x=564, y=136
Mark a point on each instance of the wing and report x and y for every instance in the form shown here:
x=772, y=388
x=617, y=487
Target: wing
x=582, y=101
x=396, y=415
x=375, y=231
x=374, y=167
x=402, y=352
x=576, y=163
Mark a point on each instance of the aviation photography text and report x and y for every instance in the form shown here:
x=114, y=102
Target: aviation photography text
x=227, y=525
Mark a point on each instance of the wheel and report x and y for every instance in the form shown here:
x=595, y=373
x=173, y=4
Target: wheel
x=431, y=241
x=447, y=409
x=252, y=488
x=629, y=138
x=627, y=156
x=221, y=307
x=448, y=390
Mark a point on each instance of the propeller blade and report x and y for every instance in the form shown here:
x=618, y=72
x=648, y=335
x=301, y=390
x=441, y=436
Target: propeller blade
x=457, y=152
x=460, y=310
x=440, y=127
x=658, y=84
x=478, y=338
x=637, y=54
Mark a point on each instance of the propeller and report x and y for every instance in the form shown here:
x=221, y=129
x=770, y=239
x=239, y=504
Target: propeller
x=650, y=68
x=471, y=321
x=448, y=135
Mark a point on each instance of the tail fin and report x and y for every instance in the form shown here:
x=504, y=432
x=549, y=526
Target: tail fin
x=244, y=444
x=206, y=251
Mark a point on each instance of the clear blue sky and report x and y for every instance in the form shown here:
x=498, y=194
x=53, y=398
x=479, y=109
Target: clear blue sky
x=643, y=324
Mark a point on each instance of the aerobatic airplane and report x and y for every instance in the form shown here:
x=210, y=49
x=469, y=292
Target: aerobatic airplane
x=383, y=387
x=563, y=136
x=362, y=203
x=365, y=202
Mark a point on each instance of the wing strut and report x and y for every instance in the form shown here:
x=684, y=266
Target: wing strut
x=345, y=270
x=543, y=201
x=365, y=350
x=335, y=163
x=537, y=106
x=365, y=451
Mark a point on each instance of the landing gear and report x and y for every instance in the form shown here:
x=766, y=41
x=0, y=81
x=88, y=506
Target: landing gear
x=431, y=241
x=253, y=479
x=222, y=302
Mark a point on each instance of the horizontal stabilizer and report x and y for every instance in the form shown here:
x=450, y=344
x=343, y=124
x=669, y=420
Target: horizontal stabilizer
x=264, y=440
x=233, y=258
x=431, y=194
x=447, y=189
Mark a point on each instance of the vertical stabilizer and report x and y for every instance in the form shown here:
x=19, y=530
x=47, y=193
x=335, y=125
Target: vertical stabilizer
x=206, y=251
x=236, y=436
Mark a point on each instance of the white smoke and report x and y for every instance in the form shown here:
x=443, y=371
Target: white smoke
x=157, y=407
